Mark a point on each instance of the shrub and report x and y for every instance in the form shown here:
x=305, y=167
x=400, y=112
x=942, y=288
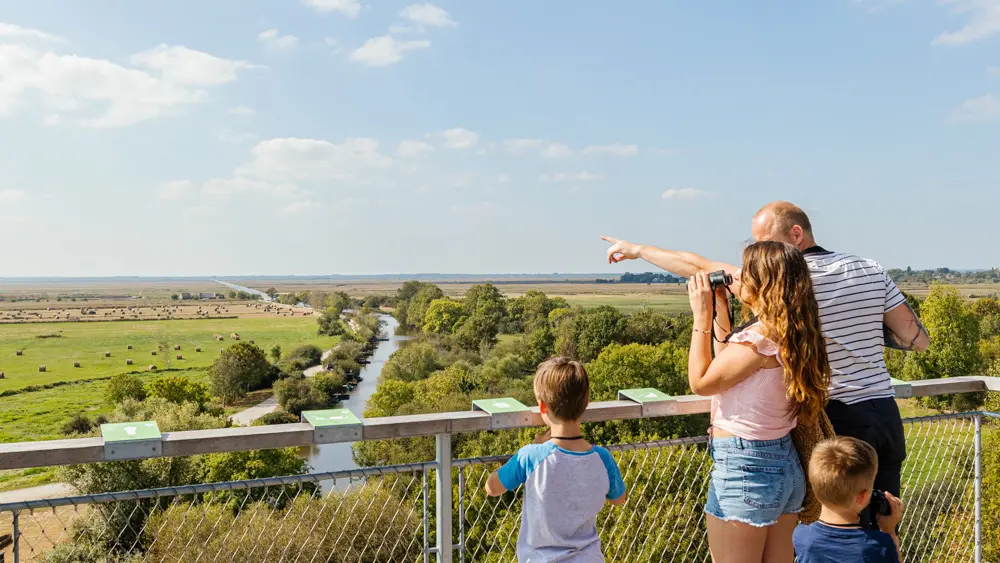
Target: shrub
x=180, y=390
x=241, y=368
x=299, y=394
x=79, y=424
x=124, y=386
x=276, y=417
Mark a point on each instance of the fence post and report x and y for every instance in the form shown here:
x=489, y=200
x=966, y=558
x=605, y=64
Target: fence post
x=978, y=418
x=17, y=537
x=443, y=507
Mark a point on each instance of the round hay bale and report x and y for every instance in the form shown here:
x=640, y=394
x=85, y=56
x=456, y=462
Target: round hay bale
x=252, y=341
x=197, y=349
x=129, y=346
x=152, y=368
x=128, y=362
x=20, y=352
x=178, y=347
x=180, y=357
x=153, y=353
x=2, y=375
x=41, y=369
x=76, y=364
x=107, y=354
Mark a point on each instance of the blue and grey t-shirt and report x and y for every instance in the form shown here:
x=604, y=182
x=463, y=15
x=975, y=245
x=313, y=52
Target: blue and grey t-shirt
x=563, y=492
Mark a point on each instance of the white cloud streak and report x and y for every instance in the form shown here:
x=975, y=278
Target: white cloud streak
x=274, y=41
x=983, y=22
x=428, y=15
x=414, y=149
x=980, y=109
x=459, y=138
x=566, y=177
x=616, y=149
x=556, y=150
x=385, y=50
x=685, y=194
x=349, y=8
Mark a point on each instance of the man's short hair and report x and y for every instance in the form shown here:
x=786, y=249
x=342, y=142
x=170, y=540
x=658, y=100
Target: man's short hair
x=840, y=468
x=562, y=384
x=786, y=215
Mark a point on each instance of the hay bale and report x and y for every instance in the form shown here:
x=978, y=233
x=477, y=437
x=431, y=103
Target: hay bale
x=20, y=352
x=197, y=349
x=178, y=347
x=153, y=353
x=129, y=346
x=219, y=338
x=180, y=357
x=76, y=364
x=41, y=369
x=107, y=354
x=152, y=368
x=252, y=341
x=128, y=362
x=2, y=375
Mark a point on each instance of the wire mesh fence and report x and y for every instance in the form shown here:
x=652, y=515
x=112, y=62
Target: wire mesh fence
x=387, y=514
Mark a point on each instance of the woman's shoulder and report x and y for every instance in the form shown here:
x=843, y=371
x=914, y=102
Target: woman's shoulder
x=754, y=336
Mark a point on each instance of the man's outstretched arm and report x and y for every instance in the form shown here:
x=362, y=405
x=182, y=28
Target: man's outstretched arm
x=904, y=331
x=684, y=264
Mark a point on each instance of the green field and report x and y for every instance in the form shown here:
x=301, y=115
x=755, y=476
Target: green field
x=38, y=415
x=632, y=302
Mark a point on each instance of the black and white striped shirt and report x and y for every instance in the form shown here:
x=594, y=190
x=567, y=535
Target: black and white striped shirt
x=853, y=295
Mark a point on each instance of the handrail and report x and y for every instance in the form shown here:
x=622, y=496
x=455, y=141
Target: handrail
x=45, y=453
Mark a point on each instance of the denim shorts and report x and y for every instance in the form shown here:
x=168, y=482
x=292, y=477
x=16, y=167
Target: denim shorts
x=755, y=481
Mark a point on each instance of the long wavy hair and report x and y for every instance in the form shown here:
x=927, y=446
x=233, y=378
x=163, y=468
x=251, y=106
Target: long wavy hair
x=779, y=290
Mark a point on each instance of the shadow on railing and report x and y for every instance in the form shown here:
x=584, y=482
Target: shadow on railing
x=388, y=514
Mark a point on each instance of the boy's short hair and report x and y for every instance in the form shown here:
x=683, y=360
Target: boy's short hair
x=562, y=384
x=840, y=468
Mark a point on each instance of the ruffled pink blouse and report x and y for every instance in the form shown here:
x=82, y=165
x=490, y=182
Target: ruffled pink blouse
x=756, y=408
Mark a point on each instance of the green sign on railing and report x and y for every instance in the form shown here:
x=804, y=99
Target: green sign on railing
x=334, y=425
x=504, y=412
x=903, y=389
x=131, y=440
x=644, y=395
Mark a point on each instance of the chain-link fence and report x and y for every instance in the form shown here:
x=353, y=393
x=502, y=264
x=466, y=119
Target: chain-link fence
x=387, y=514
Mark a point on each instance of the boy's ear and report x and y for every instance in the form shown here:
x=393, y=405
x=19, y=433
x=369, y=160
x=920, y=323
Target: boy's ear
x=542, y=407
x=864, y=497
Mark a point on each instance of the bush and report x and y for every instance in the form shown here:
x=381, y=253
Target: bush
x=330, y=383
x=124, y=386
x=79, y=424
x=299, y=394
x=276, y=417
x=412, y=363
x=241, y=368
x=310, y=354
x=180, y=390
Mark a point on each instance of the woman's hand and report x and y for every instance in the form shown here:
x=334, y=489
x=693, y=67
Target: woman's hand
x=700, y=294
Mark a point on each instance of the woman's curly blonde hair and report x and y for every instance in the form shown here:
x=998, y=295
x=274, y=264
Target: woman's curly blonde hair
x=779, y=290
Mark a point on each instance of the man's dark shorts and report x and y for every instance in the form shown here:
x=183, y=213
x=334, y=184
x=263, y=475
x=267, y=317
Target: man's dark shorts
x=877, y=422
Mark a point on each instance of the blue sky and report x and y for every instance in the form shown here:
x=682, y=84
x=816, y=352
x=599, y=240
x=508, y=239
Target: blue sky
x=220, y=137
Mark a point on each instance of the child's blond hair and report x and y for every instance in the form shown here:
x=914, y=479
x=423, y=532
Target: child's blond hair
x=562, y=384
x=840, y=468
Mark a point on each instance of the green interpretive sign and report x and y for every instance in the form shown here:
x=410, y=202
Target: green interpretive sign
x=902, y=389
x=131, y=440
x=333, y=425
x=130, y=431
x=330, y=417
x=644, y=395
x=497, y=406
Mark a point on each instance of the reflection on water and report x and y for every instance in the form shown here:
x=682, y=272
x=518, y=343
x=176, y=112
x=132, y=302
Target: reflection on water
x=338, y=457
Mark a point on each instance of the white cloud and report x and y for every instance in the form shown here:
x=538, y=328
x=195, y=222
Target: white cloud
x=298, y=207
x=518, y=146
x=684, y=194
x=176, y=190
x=503, y=179
x=413, y=149
x=565, y=177
x=556, y=150
x=242, y=110
x=349, y=8
x=983, y=108
x=459, y=138
x=106, y=93
x=180, y=65
x=983, y=22
x=11, y=31
x=293, y=159
x=52, y=120
x=385, y=50
x=427, y=14
x=8, y=197
x=277, y=42
x=617, y=149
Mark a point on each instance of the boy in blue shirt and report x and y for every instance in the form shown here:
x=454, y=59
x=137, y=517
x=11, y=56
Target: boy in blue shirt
x=566, y=480
x=842, y=474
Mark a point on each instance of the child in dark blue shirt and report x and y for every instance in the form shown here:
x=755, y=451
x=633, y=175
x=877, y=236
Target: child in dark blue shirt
x=842, y=474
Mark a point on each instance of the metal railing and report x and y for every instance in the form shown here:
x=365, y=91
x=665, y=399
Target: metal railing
x=438, y=509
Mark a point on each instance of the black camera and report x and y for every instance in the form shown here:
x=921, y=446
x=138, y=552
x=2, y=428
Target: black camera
x=879, y=504
x=720, y=278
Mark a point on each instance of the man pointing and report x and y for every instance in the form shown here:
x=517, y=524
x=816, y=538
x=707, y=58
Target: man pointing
x=861, y=311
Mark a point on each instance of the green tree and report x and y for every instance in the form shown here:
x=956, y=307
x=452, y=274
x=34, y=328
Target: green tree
x=954, y=346
x=179, y=390
x=442, y=316
x=541, y=345
x=417, y=307
x=330, y=323
x=124, y=386
x=240, y=368
x=275, y=353
x=596, y=328
x=339, y=301
x=271, y=292
x=175, y=297
x=297, y=394
x=331, y=384
x=412, y=363
x=648, y=327
x=987, y=310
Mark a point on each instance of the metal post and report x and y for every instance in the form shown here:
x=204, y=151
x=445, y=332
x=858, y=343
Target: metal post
x=427, y=518
x=443, y=506
x=978, y=418
x=17, y=537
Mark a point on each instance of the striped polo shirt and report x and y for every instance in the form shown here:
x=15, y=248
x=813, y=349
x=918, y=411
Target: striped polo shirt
x=853, y=295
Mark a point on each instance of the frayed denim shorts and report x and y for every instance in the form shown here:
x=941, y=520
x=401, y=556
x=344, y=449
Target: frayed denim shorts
x=755, y=481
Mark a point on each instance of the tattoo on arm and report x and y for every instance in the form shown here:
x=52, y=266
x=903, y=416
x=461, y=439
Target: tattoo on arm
x=897, y=342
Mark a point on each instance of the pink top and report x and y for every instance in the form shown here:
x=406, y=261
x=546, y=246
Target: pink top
x=756, y=408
